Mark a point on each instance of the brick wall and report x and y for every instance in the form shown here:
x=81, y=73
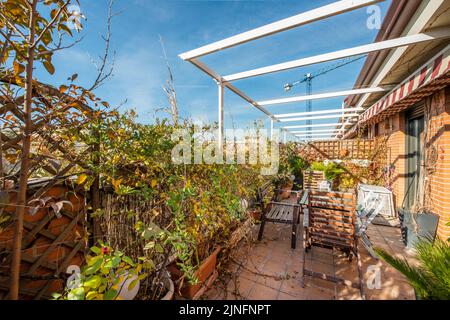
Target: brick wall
x=394, y=132
x=438, y=146
x=438, y=152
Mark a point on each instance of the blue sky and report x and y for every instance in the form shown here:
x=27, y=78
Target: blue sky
x=140, y=70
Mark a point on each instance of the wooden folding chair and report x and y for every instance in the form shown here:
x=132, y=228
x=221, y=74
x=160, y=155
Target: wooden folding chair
x=330, y=222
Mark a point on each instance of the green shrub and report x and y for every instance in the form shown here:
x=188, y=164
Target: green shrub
x=431, y=279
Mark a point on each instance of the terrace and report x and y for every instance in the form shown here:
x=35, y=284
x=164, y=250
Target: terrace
x=105, y=200
x=271, y=270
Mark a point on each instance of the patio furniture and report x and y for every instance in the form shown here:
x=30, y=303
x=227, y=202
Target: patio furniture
x=286, y=212
x=368, y=209
x=330, y=222
x=366, y=192
x=312, y=179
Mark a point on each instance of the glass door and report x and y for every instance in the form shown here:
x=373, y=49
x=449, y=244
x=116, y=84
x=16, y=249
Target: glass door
x=414, y=158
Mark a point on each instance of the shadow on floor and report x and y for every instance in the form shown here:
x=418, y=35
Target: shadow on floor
x=271, y=270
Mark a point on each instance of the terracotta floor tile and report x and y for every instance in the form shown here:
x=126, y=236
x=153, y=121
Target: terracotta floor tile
x=320, y=284
x=255, y=263
x=247, y=275
x=295, y=268
x=347, y=293
x=284, y=297
x=293, y=287
x=277, y=258
x=318, y=294
x=241, y=287
x=261, y=251
x=280, y=255
x=321, y=267
x=275, y=267
x=260, y=292
x=323, y=257
x=350, y=273
x=272, y=282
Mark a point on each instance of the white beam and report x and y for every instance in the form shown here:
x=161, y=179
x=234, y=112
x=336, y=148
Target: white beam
x=317, y=139
x=314, y=131
x=322, y=96
x=220, y=138
x=315, y=126
x=438, y=33
x=218, y=79
x=279, y=26
x=317, y=112
x=271, y=129
x=314, y=135
x=347, y=115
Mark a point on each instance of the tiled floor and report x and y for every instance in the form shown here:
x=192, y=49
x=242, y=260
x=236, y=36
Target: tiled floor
x=270, y=269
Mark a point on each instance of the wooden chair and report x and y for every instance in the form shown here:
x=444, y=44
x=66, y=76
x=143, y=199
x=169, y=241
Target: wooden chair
x=330, y=222
x=312, y=179
x=286, y=212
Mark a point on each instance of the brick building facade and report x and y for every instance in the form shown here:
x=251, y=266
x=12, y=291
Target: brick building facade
x=413, y=117
x=393, y=130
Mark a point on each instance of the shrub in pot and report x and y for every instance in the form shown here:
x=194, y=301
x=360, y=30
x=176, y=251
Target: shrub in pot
x=285, y=183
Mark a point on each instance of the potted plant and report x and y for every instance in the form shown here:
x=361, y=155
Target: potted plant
x=297, y=164
x=331, y=170
x=190, y=288
x=255, y=214
x=285, y=183
x=431, y=279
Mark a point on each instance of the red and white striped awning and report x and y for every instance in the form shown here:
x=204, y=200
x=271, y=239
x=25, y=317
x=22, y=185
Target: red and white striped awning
x=436, y=68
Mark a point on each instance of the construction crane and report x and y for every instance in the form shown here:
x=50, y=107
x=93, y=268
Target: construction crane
x=308, y=80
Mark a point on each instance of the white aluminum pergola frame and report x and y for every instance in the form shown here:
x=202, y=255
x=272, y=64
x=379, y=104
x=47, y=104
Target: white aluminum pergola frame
x=333, y=9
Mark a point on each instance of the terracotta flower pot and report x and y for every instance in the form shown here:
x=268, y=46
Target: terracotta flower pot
x=255, y=214
x=204, y=273
x=287, y=190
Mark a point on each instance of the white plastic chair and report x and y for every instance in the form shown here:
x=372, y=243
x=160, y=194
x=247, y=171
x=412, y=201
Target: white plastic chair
x=367, y=212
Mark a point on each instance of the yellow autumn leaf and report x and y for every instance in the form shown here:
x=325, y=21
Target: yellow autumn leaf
x=154, y=183
x=18, y=68
x=82, y=178
x=116, y=184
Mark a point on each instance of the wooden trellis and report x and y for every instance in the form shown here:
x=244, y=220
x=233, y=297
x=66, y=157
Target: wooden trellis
x=58, y=160
x=338, y=149
x=51, y=242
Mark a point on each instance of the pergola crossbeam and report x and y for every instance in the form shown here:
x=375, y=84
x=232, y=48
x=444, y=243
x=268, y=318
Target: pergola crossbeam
x=314, y=135
x=438, y=33
x=330, y=131
x=300, y=114
x=320, y=13
x=229, y=86
x=320, y=96
x=322, y=125
x=350, y=115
